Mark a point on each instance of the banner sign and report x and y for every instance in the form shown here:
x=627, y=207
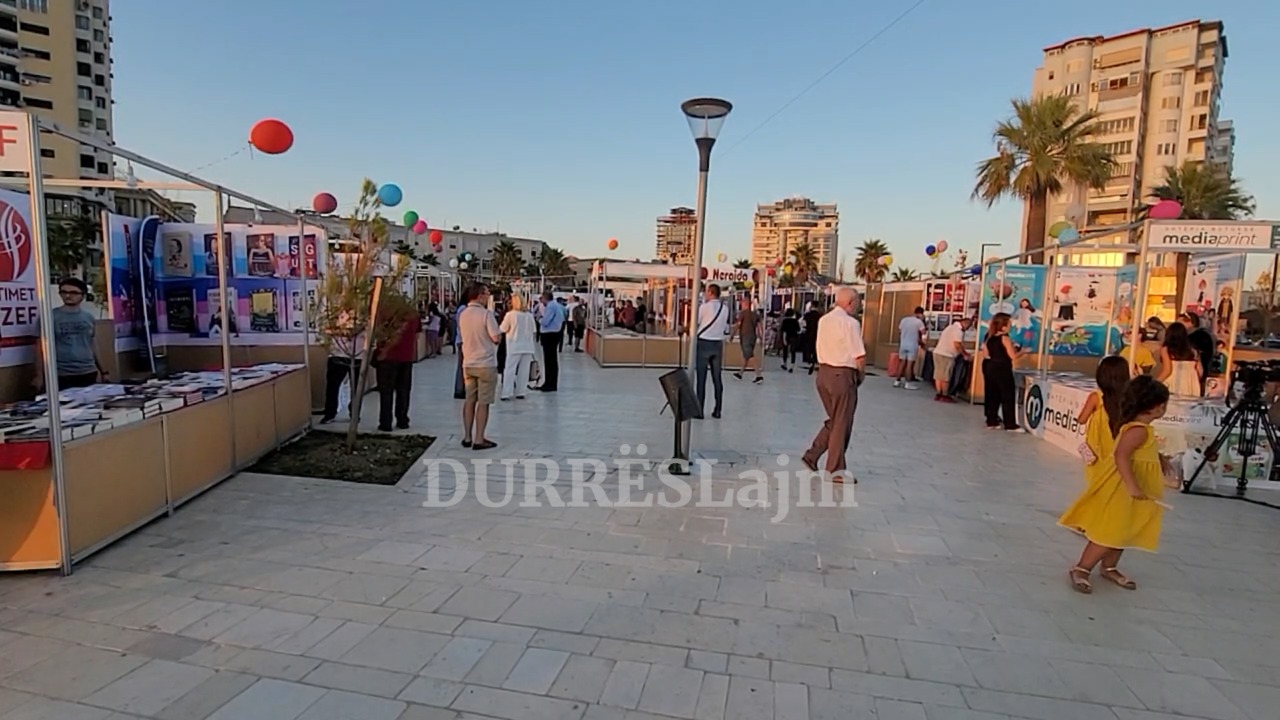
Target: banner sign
x=1212, y=235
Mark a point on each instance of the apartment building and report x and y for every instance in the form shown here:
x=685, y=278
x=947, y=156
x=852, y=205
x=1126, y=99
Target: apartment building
x=1157, y=92
x=676, y=235
x=55, y=61
x=779, y=227
x=1223, y=151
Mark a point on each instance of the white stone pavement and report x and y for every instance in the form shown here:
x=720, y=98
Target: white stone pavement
x=942, y=596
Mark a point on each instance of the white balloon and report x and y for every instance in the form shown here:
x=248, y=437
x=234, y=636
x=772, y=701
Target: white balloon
x=462, y=266
x=1075, y=213
x=453, y=262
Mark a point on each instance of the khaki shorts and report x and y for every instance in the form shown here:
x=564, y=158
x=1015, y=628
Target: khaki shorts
x=481, y=383
x=942, y=365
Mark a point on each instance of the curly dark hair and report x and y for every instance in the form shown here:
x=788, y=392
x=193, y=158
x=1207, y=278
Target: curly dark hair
x=1144, y=394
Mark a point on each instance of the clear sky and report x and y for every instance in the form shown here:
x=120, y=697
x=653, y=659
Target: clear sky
x=559, y=119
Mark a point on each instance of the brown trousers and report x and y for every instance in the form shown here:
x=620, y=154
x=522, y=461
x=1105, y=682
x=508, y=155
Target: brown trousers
x=838, y=390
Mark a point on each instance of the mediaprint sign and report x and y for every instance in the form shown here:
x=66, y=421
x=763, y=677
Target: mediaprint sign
x=1213, y=235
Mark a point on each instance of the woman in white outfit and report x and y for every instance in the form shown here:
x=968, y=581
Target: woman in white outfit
x=1180, y=367
x=520, y=330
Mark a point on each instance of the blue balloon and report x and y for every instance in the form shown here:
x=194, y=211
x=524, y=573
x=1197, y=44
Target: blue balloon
x=1069, y=235
x=976, y=270
x=390, y=195
x=930, y=250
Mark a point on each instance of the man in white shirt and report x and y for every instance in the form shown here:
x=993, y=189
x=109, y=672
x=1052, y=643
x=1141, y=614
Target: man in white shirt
x=842, y=360
x=950, y=346
x=480, y=335
x=911, y=333
x=712, y=328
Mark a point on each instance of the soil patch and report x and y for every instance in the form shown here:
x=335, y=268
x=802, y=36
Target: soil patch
x=377, y=460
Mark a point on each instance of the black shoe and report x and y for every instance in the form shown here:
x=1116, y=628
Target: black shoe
x=758, y=380
x=326, y=419
x=384, y=428
x=403, y=425
x=715, y=414
x=738, y=375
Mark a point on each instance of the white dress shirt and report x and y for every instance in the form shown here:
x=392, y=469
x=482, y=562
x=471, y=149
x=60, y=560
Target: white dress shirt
x=839, y=341
x=521, y=331
x=711, y=327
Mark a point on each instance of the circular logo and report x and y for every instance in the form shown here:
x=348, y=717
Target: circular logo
x=15, y=244
x=1034, y=407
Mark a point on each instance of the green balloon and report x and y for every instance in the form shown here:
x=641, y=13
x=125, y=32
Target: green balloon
x=410, y=218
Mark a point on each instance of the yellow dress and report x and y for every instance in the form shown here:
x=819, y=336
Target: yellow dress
x=1106, y=514
x=1097, y=435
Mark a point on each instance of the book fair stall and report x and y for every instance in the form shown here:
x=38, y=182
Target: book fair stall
x=1221, y=441
x=80, y=472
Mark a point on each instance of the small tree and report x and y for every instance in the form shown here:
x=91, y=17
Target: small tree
x=69, y=239
x=360, y=305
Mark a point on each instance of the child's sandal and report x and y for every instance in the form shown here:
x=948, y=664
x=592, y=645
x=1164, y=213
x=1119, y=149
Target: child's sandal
x=1119, y=578
x=1079, y=578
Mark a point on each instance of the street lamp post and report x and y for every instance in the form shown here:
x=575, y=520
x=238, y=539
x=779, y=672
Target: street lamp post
x=706, y=117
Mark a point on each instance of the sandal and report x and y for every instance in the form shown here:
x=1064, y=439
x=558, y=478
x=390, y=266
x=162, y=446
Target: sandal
x=1119, y=578
x=1079, y=578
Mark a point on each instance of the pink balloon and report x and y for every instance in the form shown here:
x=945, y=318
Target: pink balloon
x=420, y=227
x=437, y=248
x=1165, y=210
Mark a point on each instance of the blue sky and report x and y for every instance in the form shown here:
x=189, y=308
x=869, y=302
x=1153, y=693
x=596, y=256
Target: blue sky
x=560, y=119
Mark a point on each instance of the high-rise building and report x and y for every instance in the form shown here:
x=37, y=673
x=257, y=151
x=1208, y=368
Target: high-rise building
x=781, y=226
x=1224, y=147
x=676, y=236
x=1156, y=91
x=55, y=61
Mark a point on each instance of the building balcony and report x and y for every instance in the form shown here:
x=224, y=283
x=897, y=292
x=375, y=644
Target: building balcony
x=10, y=81
x=8, y=33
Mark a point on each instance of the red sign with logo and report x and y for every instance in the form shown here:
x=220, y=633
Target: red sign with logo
x=19, y=311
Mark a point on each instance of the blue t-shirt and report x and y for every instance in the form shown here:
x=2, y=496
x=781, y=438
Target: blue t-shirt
x=73, y=332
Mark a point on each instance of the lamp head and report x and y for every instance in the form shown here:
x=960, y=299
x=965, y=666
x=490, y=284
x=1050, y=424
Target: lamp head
x=706, y=116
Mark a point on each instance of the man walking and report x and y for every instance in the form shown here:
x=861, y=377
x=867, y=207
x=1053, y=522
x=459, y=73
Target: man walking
x=579, y=319
x=395, y=375
x=479, y=333
x=950, y=346
x=571, y=329
x=748, y=328
x=841, y=363
x=911, y=332
x=713, y=326
x=551, y=327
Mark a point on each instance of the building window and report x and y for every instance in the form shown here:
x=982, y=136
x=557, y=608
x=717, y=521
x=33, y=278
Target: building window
x=99, y=36
x=83, y=69
x=1123, y=147
x=101, y=124
x=35, y=6
x=38, y=103
x=35, y=79
x=1201, y=99
x=1166, y=148
x=1121, y=170
x=1200, y=122
x=47, y=153
x=37, y=54
x=86, y=118
x=82, y=22
x=100, y=80
x=35, y=29
x=84, y=93
x=1203, y=76
x=1171, y=103
x=1075, y=66
x=99, y=58
x=97, y=13
x=1073, y=88
x=1169, y=125
x=87, y=162
x=104, y=169
x=100, y=102
x=82, y=45
x=1173, y=78
x=1113, y=127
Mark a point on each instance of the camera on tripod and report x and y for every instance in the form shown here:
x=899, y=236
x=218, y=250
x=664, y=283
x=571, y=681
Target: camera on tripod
x=1256, y=373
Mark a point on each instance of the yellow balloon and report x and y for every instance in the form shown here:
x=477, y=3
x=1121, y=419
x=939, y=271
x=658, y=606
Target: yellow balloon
x=748, y=284
x=787, y=268
x=888, y=260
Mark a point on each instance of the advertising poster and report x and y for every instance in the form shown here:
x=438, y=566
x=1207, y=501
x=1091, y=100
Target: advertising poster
x=126, y=309
x=1083, y=308
x=260, y=254
x=177, y=254
x=302, y=257
x=19, y=312
x=946, y=301
x=1212, y=291
x=1017, y=290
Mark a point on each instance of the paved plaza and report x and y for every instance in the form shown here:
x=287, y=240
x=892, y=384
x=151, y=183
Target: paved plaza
x=941, y=596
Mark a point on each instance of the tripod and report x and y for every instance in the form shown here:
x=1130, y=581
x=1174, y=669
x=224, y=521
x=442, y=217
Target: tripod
x=1250, y=418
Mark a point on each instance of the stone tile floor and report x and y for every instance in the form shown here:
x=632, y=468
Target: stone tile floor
x=941, y=596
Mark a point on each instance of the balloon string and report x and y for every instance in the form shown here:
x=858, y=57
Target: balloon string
x=224, y=158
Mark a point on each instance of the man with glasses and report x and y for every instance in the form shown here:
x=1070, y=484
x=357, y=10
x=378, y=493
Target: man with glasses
x=74, y=349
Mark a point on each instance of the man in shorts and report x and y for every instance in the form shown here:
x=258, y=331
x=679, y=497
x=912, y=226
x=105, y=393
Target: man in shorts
x=950, y=346
x=748, y=329
x=911, y=332
x=479, y=335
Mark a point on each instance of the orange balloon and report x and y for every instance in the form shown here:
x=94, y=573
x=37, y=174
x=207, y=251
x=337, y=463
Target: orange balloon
x=271, y=136
x=613, y=243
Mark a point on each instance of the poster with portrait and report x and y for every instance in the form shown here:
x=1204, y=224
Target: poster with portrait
x=1017, y=290
x=260, y=254
x=211, y=248
x=176, y=254
x=1212, y=291
x=211, y=320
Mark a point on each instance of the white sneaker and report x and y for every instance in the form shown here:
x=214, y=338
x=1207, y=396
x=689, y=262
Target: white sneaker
x=912, y=386
x=897, y=383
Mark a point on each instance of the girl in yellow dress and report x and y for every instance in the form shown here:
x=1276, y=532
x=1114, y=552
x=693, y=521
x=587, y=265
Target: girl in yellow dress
x=1112, y=377
x=1120, y=510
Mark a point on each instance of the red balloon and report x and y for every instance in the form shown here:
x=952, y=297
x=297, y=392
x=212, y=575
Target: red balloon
x=773, y=271
x=436, y=237
x=613, y=243
x=324, y=203
x=271, y=136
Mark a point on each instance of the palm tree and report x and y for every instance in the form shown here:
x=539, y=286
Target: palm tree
x=555, y=264
x=904, y=274
x=69, y=239
x=867, y=265
x=507, y=259
x=742, y=264
x=430, y=259
x=806, y=262
x=1044, y=149
x=1204, y=192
